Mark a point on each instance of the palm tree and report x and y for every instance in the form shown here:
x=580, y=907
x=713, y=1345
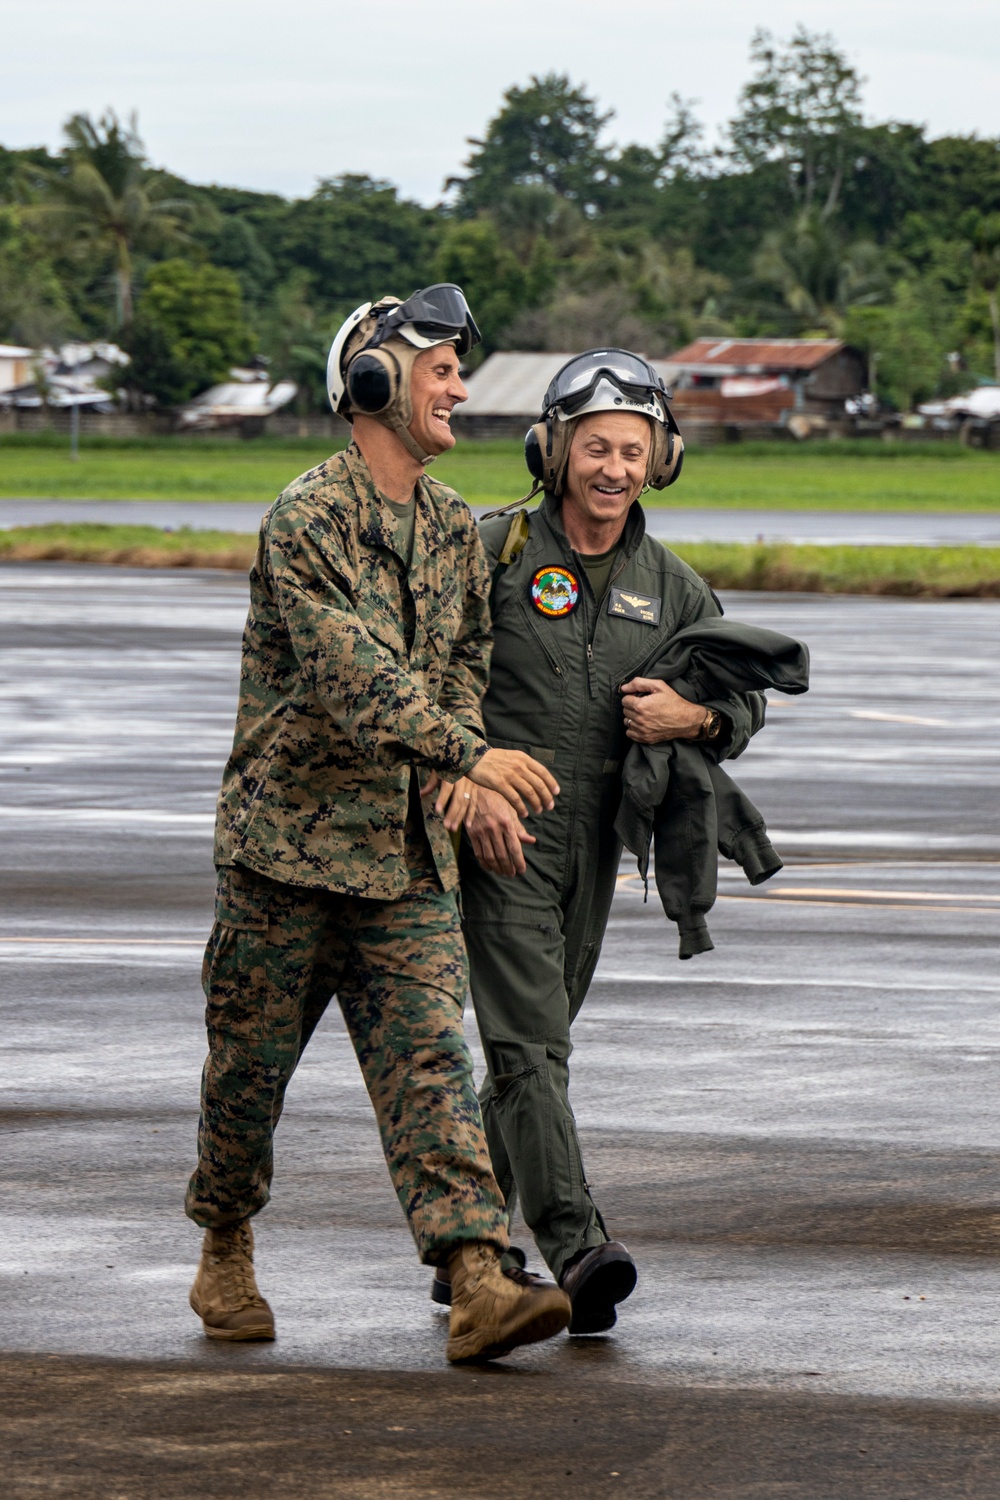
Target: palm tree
x=109, y=200
x=817, y=276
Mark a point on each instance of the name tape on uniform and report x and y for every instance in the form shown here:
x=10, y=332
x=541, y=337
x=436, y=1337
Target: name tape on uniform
x=628, y=606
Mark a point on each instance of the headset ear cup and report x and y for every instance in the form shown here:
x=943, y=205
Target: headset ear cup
x=658, y=457
x=372, y=381
x=533, y=439
x=557, y=464
x=546, y=451
x=666, y=458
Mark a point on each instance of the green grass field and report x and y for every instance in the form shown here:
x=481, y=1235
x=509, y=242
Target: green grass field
x=831, y=476
x=914, y=572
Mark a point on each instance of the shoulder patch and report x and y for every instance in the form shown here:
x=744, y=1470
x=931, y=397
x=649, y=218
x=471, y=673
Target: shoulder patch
x=555, y=591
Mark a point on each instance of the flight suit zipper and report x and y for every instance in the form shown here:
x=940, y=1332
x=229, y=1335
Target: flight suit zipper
x=591, y=634
x=590, y=631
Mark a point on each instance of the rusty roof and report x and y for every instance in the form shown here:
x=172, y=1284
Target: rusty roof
x=739, y=356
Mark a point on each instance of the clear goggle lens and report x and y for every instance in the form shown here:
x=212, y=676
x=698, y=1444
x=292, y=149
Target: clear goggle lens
x=577, y=381
x=622, y=367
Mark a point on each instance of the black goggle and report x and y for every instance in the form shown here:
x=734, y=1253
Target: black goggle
x=436, y=312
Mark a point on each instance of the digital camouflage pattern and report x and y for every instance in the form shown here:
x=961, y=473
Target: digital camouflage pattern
x=276, y=956
x=333, y=710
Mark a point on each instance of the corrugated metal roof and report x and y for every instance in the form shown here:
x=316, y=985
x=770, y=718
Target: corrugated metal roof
x=510, y=385
x=740, y=356
x=237, y=398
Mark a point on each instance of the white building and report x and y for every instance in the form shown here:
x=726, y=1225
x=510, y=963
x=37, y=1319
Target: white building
x=15, y=365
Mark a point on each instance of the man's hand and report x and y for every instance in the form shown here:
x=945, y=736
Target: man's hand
x=521, y=781
x=654, y=712
x=496, y=835
x=456, y=800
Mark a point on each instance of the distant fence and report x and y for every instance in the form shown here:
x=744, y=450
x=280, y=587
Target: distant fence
x=121, y=424
x=335, y=431
x=700, y=434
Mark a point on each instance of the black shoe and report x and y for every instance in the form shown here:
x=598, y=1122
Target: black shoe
x=595, y=1281
x=512, y=1263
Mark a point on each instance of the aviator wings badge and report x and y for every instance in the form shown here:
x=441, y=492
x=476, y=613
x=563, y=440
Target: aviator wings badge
x=626, y=606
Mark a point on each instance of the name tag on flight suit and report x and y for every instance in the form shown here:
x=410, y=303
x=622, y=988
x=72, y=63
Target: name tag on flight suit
x=634, y=606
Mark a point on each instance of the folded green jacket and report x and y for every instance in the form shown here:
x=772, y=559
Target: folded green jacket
x=678, y=797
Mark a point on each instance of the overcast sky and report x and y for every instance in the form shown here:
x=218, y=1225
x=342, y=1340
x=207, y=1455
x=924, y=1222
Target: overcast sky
x=272, y=95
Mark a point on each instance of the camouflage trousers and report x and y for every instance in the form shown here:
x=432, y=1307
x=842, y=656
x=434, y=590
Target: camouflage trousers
x=276, y=957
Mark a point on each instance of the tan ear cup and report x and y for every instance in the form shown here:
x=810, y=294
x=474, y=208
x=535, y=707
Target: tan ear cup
x=372, y=382
x=666, y=455
x=394, y=360
x=548, y=454
x=555, y=461
x=389, y=369
x=406, y=356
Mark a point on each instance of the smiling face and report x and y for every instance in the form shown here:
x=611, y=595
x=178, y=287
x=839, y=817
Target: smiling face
x=606, y=468
x=435, y=389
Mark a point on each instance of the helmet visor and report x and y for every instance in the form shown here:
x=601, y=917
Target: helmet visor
x=574, y=385
x=438, y=312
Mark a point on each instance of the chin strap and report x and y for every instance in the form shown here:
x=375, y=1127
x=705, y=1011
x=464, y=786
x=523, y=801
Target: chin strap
x=395, y=424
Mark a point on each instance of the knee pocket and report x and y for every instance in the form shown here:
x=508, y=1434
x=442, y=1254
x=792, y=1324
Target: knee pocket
x=515, y=1064
x=235, y=981
x=243, y=997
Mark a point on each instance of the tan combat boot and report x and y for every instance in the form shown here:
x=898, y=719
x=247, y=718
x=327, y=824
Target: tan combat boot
x=225, y=1294
x=492, y=1313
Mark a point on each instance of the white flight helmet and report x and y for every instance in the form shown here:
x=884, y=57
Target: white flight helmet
x=371, y=358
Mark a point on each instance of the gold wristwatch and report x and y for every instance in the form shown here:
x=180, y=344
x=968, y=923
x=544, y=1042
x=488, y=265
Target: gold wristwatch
x=711, y=727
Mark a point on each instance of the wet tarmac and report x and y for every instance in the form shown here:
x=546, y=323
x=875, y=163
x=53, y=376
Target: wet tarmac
x=670, y=523
x=796, y=1134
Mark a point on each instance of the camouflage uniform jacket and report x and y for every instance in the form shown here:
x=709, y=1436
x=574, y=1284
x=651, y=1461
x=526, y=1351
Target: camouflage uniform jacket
x=332, y=711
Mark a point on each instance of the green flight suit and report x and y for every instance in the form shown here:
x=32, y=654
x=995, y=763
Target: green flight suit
x=559, y=659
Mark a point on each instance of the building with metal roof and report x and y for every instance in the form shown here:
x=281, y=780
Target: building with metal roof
x=15, y=365
x=721, y=357
x=507, y=390
x=764, y=382
x=505, y=393
x=716, y=384
x=246, y=401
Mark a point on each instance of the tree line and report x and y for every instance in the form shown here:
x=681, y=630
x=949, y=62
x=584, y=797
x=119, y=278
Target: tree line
x=806, y=221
